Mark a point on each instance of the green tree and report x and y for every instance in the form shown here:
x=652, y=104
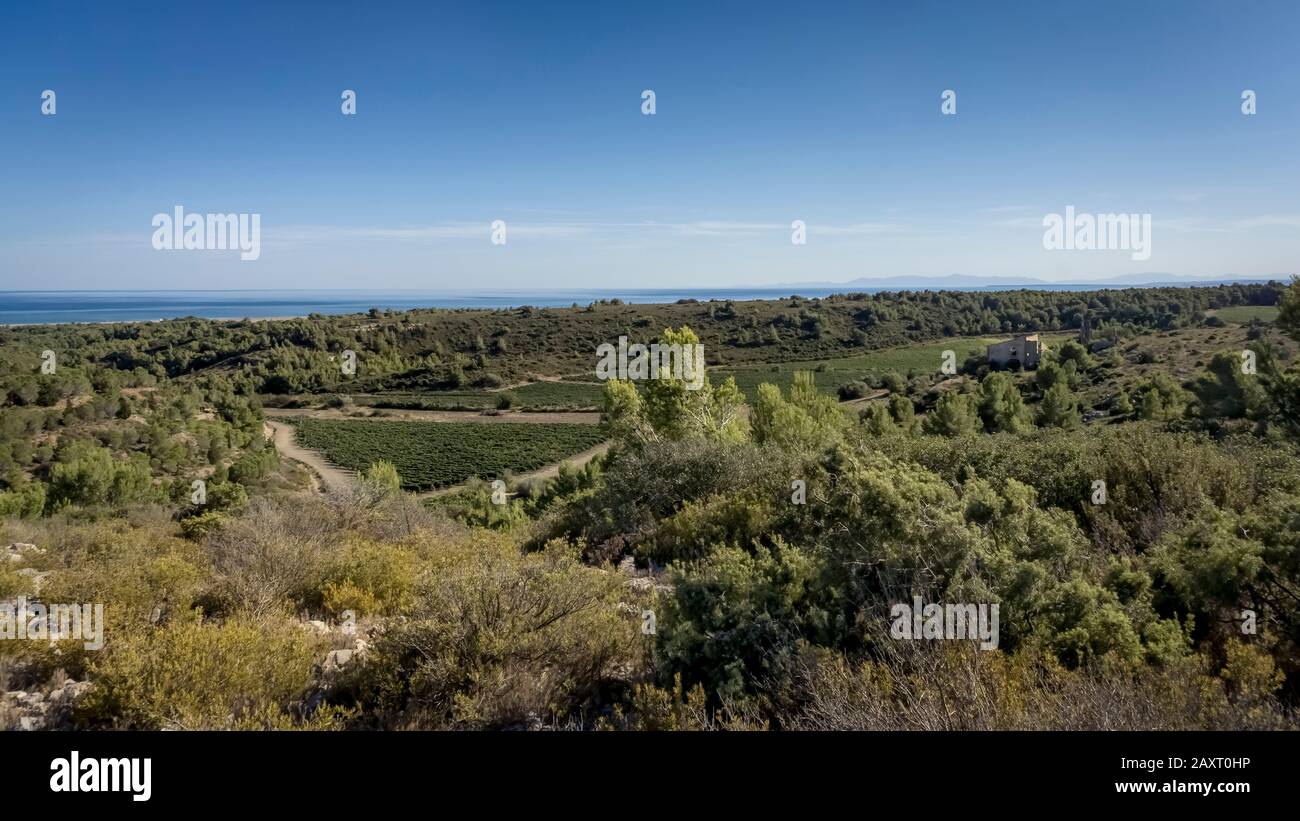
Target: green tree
x=876, y=419
x=733, y=620
x=1072, y=351
x=1226, y=392
x=1162, y=399
x=1282, y=385
x=677, y=408
x=26, y=500
x=955, y=414
x=1001, y=406
x=904, y=413
x=82, y=474
x=1049, y=373
x=893, y=382
x=383, y=478
x=1059, y=408
x=1288, y=318
x=805, y=420
x=620, y=407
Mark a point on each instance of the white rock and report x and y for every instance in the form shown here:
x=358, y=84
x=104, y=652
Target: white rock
x=71, y=691
x=337, y=659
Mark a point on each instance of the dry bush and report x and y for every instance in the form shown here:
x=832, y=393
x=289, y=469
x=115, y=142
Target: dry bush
x=138, y=572
x=956, y=686
x=273, y=555
x=502, y=638
x=202, y=675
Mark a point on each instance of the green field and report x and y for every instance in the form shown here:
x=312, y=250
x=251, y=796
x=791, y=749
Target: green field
x=831, y=373
x=536, y=396
x=438, y=454
x=569, y=395
x=1244, y=314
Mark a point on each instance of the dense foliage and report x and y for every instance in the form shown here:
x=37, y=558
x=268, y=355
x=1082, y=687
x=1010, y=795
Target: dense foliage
x=1132, y=507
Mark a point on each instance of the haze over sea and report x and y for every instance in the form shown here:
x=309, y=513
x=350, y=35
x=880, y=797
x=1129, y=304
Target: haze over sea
x=37, y=307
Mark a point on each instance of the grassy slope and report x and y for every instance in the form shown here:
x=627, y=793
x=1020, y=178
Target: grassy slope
x=1243, y=314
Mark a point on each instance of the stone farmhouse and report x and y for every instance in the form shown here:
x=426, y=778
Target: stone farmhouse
x=1023, y=350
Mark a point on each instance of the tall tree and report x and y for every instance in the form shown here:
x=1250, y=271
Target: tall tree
x=954, y=414
x=1001, y=407
x=1059, y=408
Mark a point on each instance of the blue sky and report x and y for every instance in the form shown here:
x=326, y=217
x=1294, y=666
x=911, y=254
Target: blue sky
x=531, y=113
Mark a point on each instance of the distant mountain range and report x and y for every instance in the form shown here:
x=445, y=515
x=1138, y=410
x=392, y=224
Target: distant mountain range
x=963, y=282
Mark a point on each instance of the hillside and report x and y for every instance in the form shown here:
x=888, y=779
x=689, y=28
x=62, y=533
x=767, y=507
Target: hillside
x=731, y=556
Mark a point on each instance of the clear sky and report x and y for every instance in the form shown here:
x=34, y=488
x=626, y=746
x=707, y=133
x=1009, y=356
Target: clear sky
x=530, y=113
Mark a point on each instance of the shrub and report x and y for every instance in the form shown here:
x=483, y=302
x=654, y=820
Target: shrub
x=501, y=639
x=272, y=557
x=196, y=675
x=853, y=390
x=369, y=578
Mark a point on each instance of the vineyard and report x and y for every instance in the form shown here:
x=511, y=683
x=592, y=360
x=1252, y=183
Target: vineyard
x=535, y=396
x=438, y=454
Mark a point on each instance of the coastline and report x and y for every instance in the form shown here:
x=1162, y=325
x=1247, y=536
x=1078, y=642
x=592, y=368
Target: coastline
x=39, y=308
x=159, y=319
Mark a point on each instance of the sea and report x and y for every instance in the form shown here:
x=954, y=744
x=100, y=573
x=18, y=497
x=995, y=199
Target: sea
x=46, y=307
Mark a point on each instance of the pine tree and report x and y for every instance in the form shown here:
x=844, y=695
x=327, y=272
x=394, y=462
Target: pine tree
x=903, y=412
x=1001, y=406
x=1059, y=408
x=953, y=415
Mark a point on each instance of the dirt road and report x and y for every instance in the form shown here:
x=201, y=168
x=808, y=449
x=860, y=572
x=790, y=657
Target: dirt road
x=871, y=397
x=334, y=477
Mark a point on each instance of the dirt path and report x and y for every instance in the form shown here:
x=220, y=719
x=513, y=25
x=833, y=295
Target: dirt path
x=334, y=477
x=871, y=397
x=510, y=417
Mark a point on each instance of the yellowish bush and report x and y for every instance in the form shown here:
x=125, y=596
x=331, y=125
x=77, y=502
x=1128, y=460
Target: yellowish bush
x=195, y=675
x=501, y=638
x=371, y=579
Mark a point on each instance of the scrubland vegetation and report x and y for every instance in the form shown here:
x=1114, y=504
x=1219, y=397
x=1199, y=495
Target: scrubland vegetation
x=730, y=563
